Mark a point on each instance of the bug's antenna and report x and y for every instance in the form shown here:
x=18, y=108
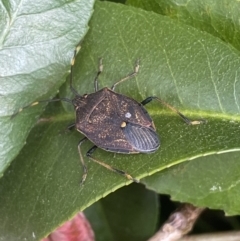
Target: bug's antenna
x=74, y=91
x=38, y=102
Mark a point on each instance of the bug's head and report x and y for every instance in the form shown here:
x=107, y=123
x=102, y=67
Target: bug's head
x=79, y=101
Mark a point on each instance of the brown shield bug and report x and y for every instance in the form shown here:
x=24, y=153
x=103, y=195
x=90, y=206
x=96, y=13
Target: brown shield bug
x=113, y=122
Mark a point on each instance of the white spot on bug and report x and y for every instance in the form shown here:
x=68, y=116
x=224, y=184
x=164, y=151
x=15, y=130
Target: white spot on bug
x=128, y=115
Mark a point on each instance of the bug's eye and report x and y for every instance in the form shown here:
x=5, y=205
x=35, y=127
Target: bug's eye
x=143, y=139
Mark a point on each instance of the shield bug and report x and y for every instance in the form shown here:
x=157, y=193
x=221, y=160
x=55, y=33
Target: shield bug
x=112, y=121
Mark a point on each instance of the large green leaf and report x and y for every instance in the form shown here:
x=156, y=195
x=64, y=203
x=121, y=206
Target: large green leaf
x=189, y=69
x=212, y=181
x=120, y=214
x=219, y=18
x=37, y=41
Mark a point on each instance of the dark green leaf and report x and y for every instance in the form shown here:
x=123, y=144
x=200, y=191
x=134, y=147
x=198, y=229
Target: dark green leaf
x=219, y=18
x=130, y=213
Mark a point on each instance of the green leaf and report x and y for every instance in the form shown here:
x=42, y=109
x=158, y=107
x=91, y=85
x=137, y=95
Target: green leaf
x=120, y=215
x=211, y=181
x=191, y=70
x=219, y=18
x=37, y=42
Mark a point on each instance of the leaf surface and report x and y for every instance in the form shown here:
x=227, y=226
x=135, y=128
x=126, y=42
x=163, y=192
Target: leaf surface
x=120, y=214
x=37, y=41
x=211, y=181
x=189, y=69
x=220, y=19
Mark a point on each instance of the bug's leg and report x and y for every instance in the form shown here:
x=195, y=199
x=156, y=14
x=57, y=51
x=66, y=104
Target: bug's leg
x=70, y=127
x=84, y=176
x=186, y=120
x=89, y=155
x=100, y=69
x=134, y=73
